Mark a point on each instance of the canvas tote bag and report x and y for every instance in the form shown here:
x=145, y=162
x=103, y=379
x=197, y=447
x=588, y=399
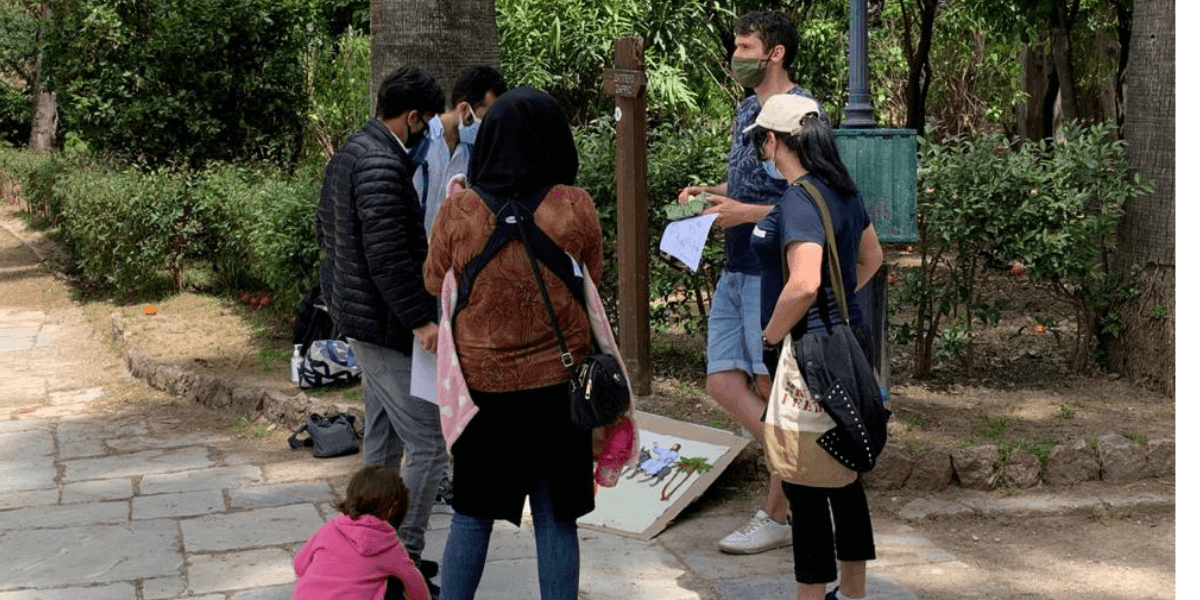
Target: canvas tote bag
x=794, y=422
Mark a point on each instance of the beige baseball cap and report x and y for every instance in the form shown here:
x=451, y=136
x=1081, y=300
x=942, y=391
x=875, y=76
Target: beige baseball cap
x=783, y=112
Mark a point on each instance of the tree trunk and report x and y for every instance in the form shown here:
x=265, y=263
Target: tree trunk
x=1060, y=45
x=1145, y=349
x=442, y=38
x=45, y=104
x=1033, y=118
x=920, y=73
x=1124, y=33
x=1108, y=55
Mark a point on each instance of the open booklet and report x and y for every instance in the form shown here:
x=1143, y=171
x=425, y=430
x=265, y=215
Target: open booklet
x=685, y=239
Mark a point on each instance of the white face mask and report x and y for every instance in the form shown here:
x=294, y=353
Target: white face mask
x=467, y=133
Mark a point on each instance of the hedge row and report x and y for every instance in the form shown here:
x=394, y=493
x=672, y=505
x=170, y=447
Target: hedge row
x=132, y=231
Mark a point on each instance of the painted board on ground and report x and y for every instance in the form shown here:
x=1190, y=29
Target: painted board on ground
x=676, y=463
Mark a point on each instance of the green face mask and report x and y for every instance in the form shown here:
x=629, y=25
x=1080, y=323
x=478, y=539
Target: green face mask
x=748, y=71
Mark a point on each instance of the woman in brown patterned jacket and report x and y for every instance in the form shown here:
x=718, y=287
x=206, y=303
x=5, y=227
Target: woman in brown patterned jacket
x=521, y=443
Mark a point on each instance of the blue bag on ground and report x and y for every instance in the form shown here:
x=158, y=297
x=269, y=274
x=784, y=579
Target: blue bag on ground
x=328, y=362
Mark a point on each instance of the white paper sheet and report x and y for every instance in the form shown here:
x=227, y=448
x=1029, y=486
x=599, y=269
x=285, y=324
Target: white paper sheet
x=423, y=383
x=685, y=239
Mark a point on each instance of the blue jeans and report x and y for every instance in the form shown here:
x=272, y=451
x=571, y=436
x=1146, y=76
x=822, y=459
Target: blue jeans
x=557, y=553
x=734, y=328
x=395, y=421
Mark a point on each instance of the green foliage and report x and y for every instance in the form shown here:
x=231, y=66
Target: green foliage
x=995, y=429
x=562, y=47
x=244, y=425
x=1039, y=449
x=16, y=112
x=677, y=157
x=43, y=191
x=985, y=202
x=1135, y=437
x=338, y=83
x=1066, y=412
x=282, y=242
x=167, y=81
x=269, y=358
x=822, y=62
x=978, y=73
x=128, y=229
x=693, y=464
x=1160, y=312
x=18, y=29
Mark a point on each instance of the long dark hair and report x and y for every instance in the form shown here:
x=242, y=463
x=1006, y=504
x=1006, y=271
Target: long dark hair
x=815, y=145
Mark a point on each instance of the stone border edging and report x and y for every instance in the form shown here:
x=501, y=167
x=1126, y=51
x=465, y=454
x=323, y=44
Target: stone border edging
x=217, y=393
x=1112, y=458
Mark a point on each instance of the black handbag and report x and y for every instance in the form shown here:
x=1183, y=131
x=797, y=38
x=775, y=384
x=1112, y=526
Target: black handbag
x=328, y=435
x=596, y=389
x=838, y=373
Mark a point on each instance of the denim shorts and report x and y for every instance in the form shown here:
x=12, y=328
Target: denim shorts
x=734, y=327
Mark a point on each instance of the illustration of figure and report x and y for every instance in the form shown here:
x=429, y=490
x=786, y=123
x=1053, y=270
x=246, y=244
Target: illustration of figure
x=643, y=456
x=659, y=467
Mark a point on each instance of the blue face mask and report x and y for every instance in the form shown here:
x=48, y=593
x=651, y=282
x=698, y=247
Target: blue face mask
x=772, y=170
x=467, y=133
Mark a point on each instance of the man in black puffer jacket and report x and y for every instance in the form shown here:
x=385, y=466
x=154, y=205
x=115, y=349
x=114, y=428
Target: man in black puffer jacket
x=372, y=239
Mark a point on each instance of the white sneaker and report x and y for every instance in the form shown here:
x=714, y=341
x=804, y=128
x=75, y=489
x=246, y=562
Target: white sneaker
x=762, y=533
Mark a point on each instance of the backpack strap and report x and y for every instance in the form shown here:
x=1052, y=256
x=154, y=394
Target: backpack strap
x=509, y=215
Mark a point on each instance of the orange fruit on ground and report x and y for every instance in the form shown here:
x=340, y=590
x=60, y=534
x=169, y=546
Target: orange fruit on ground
x=149, y=310
x=1017, y=269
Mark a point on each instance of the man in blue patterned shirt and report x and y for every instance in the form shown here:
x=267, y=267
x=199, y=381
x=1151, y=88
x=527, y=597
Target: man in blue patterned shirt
x=765, y=45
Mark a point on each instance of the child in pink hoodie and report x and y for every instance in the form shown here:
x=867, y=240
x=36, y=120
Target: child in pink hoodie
x=357, y=556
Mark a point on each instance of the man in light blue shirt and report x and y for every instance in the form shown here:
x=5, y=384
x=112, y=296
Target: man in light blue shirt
x=452, y=136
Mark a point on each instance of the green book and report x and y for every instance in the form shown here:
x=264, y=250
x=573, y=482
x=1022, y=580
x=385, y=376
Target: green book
x=693, y=207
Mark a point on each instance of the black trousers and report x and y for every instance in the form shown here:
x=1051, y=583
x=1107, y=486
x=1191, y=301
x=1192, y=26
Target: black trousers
x=828, y=523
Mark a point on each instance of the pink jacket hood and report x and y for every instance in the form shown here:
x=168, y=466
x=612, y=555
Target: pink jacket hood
x=368, y=535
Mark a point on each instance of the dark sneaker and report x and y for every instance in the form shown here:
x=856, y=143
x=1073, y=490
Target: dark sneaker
x=428, y=568
x=445, y=492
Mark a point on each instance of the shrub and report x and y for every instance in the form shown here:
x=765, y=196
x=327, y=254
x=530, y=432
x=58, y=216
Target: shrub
x=132, y=231
x=166, y=81
x=282, y=240
x=984, y=202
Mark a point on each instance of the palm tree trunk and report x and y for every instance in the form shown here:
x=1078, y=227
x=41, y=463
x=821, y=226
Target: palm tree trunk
x=667, y=496
x=1145, y=350
x=443, y=38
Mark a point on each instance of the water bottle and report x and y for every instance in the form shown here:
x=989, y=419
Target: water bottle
x=296, y=362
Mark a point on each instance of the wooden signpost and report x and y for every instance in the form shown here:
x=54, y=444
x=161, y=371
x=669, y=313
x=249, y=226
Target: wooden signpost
x=627, y=83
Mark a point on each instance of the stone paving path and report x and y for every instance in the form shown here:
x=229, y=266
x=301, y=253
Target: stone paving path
x=99, y=503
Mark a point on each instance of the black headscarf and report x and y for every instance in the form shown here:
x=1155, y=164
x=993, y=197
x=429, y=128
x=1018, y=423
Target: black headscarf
x=524, y=145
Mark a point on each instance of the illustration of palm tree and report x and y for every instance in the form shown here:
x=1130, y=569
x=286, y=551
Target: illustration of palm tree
x=689, y=465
